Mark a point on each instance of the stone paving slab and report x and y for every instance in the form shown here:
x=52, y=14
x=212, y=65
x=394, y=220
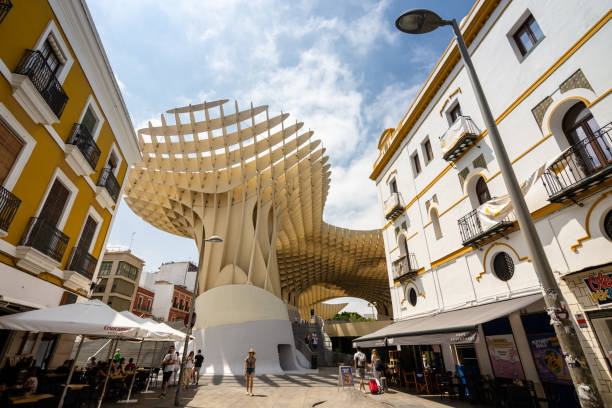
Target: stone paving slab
x=285, y=391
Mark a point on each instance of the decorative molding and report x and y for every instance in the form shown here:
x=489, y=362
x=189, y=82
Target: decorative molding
x=576, y=80
x=579, y=241
x=484, y=259
x=34, y=260
x=77, y=161
x=26, y=94
x=75, y=281
x=103, y=198
x=480, y=162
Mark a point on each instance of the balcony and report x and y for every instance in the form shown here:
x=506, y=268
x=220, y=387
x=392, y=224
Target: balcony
x=80, y=270
x=392, y=206
x=404, y=267
x=580, y=167
x=41, y=247
x=5, y=7
x=37, y=89
x=9, y=204
x=458, y=138
x=108, y=188
x=82, y=152
x=474, y=230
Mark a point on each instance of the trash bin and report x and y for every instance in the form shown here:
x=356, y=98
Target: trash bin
x=313, y=362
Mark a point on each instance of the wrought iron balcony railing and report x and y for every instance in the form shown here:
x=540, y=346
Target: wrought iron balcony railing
x=404, y=266
x=473, y=230
x=5, y=7
x=34, y=66
x=458, y=138
x=9, y=204
x=45, y=237
x=392, y=206
x=580, y=167
x=81, y=138
x=82, y=262
x=107, y=179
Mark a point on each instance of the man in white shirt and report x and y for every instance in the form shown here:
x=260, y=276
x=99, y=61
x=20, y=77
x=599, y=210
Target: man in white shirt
x=168, y=367
x=360, y=361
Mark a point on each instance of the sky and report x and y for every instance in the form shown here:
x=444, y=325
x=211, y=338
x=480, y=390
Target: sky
x=341, y=67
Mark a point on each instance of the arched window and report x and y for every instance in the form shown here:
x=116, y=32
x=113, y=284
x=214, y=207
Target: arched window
x=435, y=222
x=482, y=191
x=580, y=129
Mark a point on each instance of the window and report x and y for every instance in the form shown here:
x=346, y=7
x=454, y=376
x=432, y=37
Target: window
x=435, y=222
x=123, y=287
x=127, y=270
x=55, y=203
x=119, y=304
x=416, y=164
x=50, y=54
x=482, y=191
x=454, y=113
x=181, y=304
x=527, y=35
x=503, y=266
x=105, y=268
x=101, y=286
x=88, y=233
x=148, y=305
x=89, y=120
x=393, y=186
x=427, y=151
x=175, y=302
x=139, y=304
x=10, y=147
x=412, y=296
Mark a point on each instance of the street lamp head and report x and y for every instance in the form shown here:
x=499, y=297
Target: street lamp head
x=214, y=239
x=419, y=21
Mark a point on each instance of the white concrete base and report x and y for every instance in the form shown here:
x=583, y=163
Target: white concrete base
x=255, y=318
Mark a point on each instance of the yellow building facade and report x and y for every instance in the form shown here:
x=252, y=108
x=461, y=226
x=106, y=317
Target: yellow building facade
x=66, y=145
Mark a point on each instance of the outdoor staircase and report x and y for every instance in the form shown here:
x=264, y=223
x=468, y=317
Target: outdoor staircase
x=325, y=355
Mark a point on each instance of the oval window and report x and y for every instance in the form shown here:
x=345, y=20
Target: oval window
x=503, y=266
x=412, y=297
x=608, y=225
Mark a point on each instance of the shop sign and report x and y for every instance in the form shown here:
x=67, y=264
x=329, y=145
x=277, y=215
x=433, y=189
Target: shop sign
x=581, y=320
x=549, y=359
x=504, y=357
x=600, y=288
x=345, y=376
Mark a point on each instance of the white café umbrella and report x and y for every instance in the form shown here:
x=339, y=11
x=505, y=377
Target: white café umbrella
x=91, y=318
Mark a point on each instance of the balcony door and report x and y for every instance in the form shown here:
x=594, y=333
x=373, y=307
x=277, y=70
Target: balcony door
x=581, y=131
x=482, y=191
x=10, y=146
x=88, y=233
x=55, y=203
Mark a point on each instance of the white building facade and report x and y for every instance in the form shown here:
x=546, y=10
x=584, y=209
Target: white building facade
x=546, y=75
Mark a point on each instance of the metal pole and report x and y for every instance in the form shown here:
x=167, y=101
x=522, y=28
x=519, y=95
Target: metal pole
x=128, y=400
x=586, y=389
x=65, y=391
x=146, y=391
x=113, y=346
x=191, y=308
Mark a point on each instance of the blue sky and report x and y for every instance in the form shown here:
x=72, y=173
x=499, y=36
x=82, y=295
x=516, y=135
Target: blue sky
x=340, y=67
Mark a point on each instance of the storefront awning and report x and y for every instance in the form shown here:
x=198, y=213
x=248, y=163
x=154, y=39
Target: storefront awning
x=455, y=327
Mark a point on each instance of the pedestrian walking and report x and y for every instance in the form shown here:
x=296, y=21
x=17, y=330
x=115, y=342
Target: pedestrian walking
x=199, y=359
x=188, y=370
x=359, y=362
x=249, y=371
x=315, y=341
x=168, y=368
x=175, y=370
x=307, y=339
x=377, y=365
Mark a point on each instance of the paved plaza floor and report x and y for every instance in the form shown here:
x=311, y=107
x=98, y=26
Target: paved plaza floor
x=286, y=391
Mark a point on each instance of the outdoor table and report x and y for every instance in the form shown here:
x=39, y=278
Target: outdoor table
x=76, y=387
x=56, y=375
x=29, y=399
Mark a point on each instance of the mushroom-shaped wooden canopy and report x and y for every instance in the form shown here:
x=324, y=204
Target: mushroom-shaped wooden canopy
x=260, y=183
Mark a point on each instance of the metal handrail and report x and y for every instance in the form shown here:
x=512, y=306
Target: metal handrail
x=9, y=204
x=404, y=264
x=107, y=179
x=81, y=138
x=42, y=235
x=391, y=202
x=35, y=67
x=470, y=225
x=581, y=161
x=83, y=262
x=469, y=123
x=5, y=7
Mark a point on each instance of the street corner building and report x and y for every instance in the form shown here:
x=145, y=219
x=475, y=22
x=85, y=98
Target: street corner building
x=464, y=291
x=66, y=146
x=260, y=183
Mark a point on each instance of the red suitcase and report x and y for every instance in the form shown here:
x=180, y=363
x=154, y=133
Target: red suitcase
x=373, y=386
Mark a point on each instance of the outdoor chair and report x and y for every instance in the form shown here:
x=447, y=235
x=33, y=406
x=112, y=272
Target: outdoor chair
x=422, y=382
x=409, y=380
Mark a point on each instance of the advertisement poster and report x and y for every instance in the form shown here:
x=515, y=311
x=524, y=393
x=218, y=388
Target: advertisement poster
x=346, y=376
x=504, y=357
x=549, y=359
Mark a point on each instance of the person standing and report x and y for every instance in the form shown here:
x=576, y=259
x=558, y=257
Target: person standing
x=199, y=359
x=175, y=370
x=117, y=356
x=249, y=371
x=168, y=368
x=360, y=361
x=315, y=341
x=377, y=366
x=188, y=370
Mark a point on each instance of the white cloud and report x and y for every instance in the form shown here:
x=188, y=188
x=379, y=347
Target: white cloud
x=122, y=87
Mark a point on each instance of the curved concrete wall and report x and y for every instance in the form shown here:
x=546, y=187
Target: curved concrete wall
x=231, y=319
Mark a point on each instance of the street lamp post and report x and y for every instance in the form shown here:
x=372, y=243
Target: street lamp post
x=212, y=239
x=422, y=21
